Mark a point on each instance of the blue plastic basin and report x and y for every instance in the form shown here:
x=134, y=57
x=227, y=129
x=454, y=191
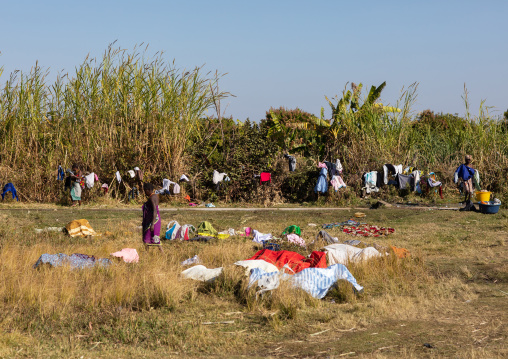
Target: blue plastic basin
x=489, y=208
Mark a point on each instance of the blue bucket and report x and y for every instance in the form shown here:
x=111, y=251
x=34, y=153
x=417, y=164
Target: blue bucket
x=489, y=208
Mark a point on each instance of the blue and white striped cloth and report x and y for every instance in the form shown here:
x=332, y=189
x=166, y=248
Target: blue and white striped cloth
x=316, y=281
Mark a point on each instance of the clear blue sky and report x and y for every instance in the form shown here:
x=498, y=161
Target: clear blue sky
x=283, y=52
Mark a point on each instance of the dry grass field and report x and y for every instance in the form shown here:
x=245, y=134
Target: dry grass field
x=452, y=293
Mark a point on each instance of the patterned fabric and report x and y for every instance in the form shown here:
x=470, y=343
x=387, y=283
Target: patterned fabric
x=315, y=281
x=74, y=261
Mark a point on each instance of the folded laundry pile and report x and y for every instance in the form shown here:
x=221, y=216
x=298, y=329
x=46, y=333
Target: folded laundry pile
x=80, y=228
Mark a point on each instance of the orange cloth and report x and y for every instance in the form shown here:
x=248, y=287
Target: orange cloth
x=400, y=252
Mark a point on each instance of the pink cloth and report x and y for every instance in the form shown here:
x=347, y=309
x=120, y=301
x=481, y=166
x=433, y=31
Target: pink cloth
x=96, y=177
x=337, y=182
x=265, y=177
x=129, y=255
x=321, y=165
x=295, y=239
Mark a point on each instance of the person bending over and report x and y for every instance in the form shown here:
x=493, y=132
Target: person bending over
x=466, y=173
x=151, y=219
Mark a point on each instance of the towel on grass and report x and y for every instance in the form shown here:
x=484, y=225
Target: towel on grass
x=315, y=281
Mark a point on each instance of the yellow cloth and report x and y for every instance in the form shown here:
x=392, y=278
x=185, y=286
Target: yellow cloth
x=81, y=228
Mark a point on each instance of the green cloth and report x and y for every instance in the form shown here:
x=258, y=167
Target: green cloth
x=206, y=228
x=76, y=191
x=292, y=229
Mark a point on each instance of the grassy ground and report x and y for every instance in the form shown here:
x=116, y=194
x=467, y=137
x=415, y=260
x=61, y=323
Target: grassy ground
x=452, y=293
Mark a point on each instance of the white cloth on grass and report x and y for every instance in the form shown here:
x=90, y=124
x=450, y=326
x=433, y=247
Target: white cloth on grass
x=184, y=178
x=339, y=253
x=118, y=177
x=192, y=260
x=257, y=263
x=261, y=237
x=131, y=173
x=200, y=272
x=315, y=281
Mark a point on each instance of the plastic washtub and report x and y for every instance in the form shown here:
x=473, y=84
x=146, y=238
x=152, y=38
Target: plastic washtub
x=483, y=196
x=489, y=207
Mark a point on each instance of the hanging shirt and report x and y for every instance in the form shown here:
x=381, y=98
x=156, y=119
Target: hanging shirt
x=218, y=177
x=265, y=177
x=60, y=174
x=292, y=163
x=118, y=177
x=89, y=180
x=321, y=184
x=338, y=165
x=464, y=172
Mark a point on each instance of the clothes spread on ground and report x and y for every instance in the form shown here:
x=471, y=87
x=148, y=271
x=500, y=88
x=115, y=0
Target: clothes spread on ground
x=366, y=230
x=74, y=261
x=265, y=177
x=295, y=261
x=118, y=177
x=184, y=178
x=321, y=165
x=322, y=184
x=339, y=253
x=218, y=177
x=295, y=239
x=185, y=232
x=172, y=229
x=105, y=187
x=315, y=281
x=9, y=187
x=129, y=255
x=292, y=162
x=60, y=173
x=151, y=215
x=370, y=181
x=200, y=272
x=326, y=237
x=192, y=260
x=80, y=228
x=337, y=183
x=90, y=180
x=400, y=252
x=463, y=172
x=206, y=229
x=292, y=229
x=260, y=237
x=257, y=263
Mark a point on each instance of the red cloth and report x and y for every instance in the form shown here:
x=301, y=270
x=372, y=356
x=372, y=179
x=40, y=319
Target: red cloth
x=296, y=261
x=265, y=176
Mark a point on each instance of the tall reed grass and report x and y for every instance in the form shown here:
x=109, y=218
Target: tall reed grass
x=111, y=113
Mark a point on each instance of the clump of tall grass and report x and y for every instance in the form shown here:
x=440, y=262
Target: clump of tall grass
x=112, y=113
